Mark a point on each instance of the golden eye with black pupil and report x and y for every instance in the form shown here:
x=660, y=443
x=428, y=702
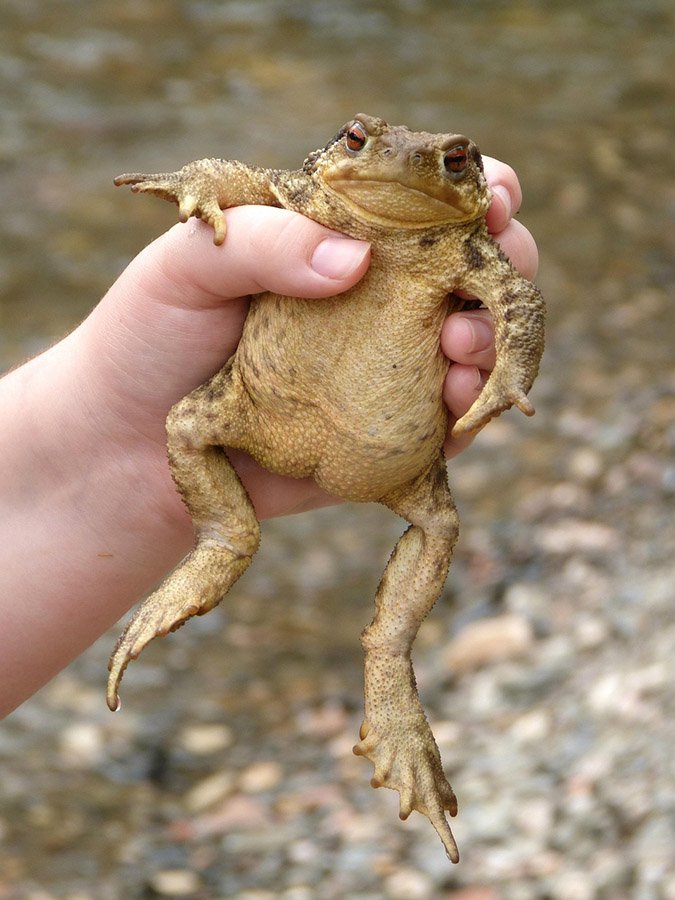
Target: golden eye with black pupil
x=455, y=160
x=356, y=137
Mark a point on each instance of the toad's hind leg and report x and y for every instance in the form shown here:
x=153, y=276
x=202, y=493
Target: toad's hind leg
x=226, y=527
x=395, y=735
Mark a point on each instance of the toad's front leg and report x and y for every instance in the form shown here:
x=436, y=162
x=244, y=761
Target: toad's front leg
x=395, y=735
x=518, y=311
x=205, y=187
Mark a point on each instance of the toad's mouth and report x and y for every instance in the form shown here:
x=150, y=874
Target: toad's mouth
x=402, y=206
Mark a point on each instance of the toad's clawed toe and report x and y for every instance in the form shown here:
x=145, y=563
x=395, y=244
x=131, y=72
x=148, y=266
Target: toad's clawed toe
x=409, y=762
x=190, y=188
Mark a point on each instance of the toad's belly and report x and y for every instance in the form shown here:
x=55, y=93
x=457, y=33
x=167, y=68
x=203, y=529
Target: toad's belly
x=358, y=450
x=359, y=467
x=360, y=409
x=368, y=469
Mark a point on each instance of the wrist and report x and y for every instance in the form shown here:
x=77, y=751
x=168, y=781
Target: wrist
x=91, y=500
x=87, y=527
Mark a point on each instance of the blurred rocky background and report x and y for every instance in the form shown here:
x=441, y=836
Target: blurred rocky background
x=548, y=669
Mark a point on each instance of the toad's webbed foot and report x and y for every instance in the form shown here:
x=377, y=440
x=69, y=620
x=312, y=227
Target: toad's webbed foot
x=194, y=188
x=407, y=760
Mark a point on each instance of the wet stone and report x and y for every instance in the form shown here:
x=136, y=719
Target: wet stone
x=261, y=776
x=409, y=884
x=205, y=739
x=175, y=883
x=489, y=641
x=209, y=791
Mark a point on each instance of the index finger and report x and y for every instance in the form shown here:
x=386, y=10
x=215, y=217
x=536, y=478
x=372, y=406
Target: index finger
x=506, y=193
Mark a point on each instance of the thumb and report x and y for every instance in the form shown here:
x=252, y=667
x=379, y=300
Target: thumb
x=266, y=249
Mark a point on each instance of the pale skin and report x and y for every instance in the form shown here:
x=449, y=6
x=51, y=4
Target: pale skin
x=91, y=519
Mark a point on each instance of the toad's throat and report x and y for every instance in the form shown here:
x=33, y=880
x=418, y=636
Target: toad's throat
x=401, y=206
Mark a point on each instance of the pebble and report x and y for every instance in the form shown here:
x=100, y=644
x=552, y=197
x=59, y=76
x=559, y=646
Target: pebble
x=324, y=722
x=574, y=885
x=409, y=884
x=576, y=536
x=175, y=883
x=299, y=892
x=204, y=739
x=82, y=745
x=304, y=852
x=473, y=893
x=590, y=631
x=585, y=465
x=237, y=813
x=209, y=791
x=489, y=641
x=532, y=727
x=261, y=776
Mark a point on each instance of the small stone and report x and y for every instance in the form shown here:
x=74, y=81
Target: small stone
x=473, y=893
x=409, y=884
x=590, y=632
x=576, y=536
x=303, y=852
x=82, y=745
x=204, y=739
x=175, y=883
x=299, y=892
x=534, y=817
x=573, y=885
x=532, y=727
x=489, y=641
x=261, y=776
x=209, y=791
x=324, y=722
x=585, y=464
x=237, y=813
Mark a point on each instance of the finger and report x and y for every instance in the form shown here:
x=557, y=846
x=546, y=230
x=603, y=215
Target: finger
x=520, y=247
x=462, y=386
x=506, y=193
x=275, y=495
x=468, y=338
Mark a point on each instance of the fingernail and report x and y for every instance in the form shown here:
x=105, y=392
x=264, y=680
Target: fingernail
x=500, y=191
x=481, y=332
x=337, y=257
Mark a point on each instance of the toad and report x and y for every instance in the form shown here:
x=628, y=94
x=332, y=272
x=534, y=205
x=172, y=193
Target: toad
x=347, y=390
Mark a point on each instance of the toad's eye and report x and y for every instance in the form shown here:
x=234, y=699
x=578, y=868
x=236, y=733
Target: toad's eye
x=356, y=137
x=455, y=160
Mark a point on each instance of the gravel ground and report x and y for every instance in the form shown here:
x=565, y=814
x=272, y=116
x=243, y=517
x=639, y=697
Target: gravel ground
x=548, y=667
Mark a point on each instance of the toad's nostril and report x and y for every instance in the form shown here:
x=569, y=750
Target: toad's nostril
x=416, y=158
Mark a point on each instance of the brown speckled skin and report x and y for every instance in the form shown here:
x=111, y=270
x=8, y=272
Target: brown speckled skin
x=348, y=391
